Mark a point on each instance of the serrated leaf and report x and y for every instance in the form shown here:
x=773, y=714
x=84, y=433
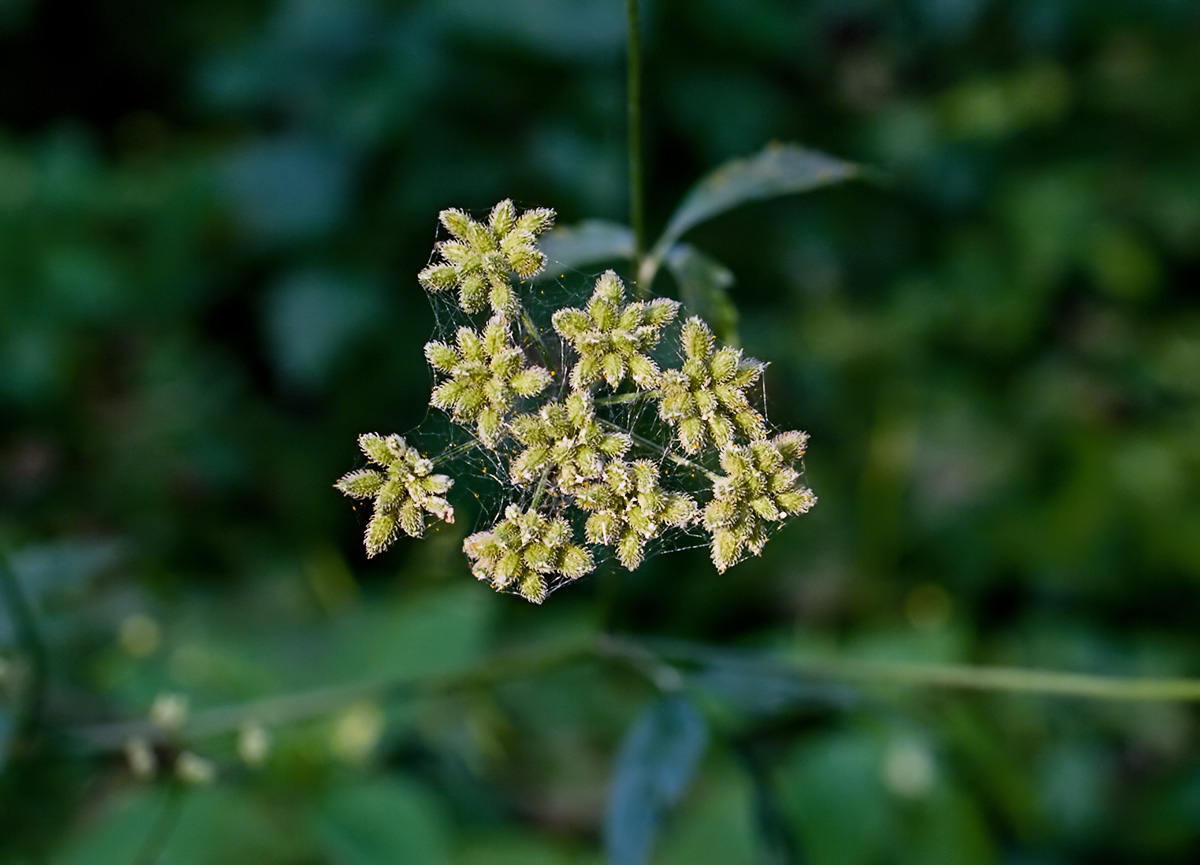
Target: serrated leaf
x=704, y=285
x=589, y=242
x=779, y=169
x=654, y=766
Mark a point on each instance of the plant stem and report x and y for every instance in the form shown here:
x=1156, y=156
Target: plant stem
x=305, y=705
x=924, y=675
x=665, y=664
x=541, y=488
x=445, y=456
x=634, y=121
x=625, y=397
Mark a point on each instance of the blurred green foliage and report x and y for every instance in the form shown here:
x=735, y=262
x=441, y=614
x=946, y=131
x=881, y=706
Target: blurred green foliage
x=211, y=219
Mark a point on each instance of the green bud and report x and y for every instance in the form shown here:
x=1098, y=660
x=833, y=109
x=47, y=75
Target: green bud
x=502, y=218
x=362, y=484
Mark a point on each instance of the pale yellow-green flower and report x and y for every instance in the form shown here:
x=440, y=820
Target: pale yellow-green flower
x=705, y=401
x=404, y=489
x=564, y=442
x=481, y=258
x=612, y=337
x=486, y=373
x=525, y=548
x=628, y=507
x=760, y=487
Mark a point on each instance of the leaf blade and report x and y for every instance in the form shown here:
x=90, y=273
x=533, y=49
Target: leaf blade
x=777, y=170
x=590, y=242
x=657, y=759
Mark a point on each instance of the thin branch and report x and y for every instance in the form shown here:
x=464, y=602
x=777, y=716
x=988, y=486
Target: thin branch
x=621, y=398
x=1051, y=683
x=665, y=665
x=446, y=456
x=305, y=705
x=634, y=120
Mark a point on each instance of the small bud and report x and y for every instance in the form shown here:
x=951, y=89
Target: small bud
x=194, y=770
x=503, y=217
x=253, y=744
x=141, y=759
x=356, y=732
x=139, y=635
x=169, y=711
x=456, y=222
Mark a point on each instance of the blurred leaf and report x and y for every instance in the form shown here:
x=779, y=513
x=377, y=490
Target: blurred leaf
x=432, y=634
x=510, y=848
x=717, y=827
x=656, y=761
x=229, y=825
x=584, y=28
x=704, y=285
x=288, y=188
x=114, y=828
x=780, y=169
x=312, y=318
x=591, y=242
x=382, y=820
x=833, y=791
x=207, y=825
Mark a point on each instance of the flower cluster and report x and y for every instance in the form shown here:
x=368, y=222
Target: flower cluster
x=404, y=491
x=612, y=338
x=523, y=549
x=705, y=400
x=761, y=486
x=607, y=423
x=565, y=442
x=628, y=508
x=486, y=374
x=481, y=258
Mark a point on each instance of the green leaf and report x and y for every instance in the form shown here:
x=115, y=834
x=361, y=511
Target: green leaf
x=429, y=634
x=718, y=826
x=704, y=285
x=590, y=242
x=831, y=789
x=382, y=820
x=779, y=169
x=656, y=761
x=210, y=825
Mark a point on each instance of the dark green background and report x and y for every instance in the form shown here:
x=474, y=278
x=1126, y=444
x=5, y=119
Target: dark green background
x=211, y=218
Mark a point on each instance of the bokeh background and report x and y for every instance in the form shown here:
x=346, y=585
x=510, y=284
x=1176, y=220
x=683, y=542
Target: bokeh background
x=211, y=218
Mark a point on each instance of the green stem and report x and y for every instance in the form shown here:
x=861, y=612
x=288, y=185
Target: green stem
x=625, y=397
x=541, y=487
x=665, y=665
x=527, y=320
x=636, y=164
x=305, y=705
x=446, y=456
x=968, y=677
x=660, y=450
